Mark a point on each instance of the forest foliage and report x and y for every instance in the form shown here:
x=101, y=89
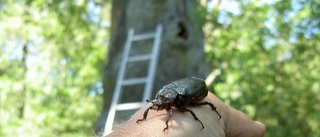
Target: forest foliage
x=52, y=56
x=268, y=53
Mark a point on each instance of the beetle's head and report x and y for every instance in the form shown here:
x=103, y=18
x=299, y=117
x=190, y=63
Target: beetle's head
x=166, y=96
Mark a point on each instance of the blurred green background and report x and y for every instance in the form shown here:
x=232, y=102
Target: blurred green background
x=266, y=55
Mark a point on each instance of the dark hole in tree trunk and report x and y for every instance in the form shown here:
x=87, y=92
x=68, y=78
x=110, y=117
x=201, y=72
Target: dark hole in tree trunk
x=183, y=32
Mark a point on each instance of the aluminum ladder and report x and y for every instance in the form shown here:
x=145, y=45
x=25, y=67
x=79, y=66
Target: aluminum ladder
x=148, y=80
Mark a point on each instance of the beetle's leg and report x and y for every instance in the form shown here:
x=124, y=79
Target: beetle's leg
x=170, y=111
x=192, y=113
x=145, y=114
x=206, y=103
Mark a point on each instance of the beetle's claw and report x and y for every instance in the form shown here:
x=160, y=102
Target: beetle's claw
x=164, y=130
x=202, y=127
x=218, y=113
x=139, y=120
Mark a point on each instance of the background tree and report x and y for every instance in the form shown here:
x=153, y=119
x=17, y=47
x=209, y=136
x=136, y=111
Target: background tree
x=181, y=50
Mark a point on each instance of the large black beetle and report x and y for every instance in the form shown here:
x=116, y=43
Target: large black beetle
x=179, y=94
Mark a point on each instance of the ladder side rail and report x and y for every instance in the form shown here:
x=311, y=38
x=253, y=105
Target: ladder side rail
x=116, y=94
x=153, y=64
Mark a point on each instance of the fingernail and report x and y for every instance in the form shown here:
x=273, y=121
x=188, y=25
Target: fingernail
x=258, y=122
x=262, y=126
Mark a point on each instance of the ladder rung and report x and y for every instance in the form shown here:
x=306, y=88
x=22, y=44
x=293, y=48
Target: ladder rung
x=143, y=36
x=139, y=58
x=134, y=81
x=129, y=106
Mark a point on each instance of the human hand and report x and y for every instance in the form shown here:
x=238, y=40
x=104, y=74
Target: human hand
x=233, y=123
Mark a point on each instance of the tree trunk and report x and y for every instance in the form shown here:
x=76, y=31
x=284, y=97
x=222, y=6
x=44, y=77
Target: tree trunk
x=181, y=50
x=22, y=99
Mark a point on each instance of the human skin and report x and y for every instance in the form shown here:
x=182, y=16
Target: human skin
x=233, y=123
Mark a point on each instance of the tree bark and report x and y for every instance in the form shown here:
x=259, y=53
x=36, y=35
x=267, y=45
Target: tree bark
x=22, y=99
x=181, y=50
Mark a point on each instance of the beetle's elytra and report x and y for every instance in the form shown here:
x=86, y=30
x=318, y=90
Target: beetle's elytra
x=179, y=94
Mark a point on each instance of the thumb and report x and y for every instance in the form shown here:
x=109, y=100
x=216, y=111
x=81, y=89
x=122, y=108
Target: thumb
x=240, y=125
